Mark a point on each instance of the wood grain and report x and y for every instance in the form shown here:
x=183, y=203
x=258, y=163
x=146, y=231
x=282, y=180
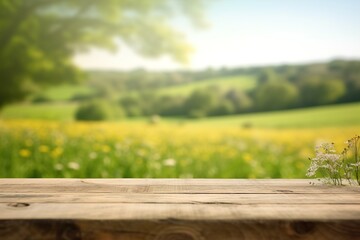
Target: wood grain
x=177, y=209
x=178, y=230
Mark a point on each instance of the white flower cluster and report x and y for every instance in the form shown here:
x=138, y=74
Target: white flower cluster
x=336, y=167
x=325, y=158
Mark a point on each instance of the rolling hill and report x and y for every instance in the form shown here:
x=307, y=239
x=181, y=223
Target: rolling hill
x=244, y=82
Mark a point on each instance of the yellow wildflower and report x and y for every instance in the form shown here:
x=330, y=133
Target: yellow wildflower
x=56, y=152
x=247, y=157
x=43, y=149
x=105, y=148
x=24, y=153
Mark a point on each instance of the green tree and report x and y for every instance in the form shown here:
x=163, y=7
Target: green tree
x=240, y=100
x=349, y=72
x=267, y=75
x=95, y=110
x=276, y=95
x=200, y=103
x=170, y=105
x=223, y=107
x=317, y=91
x=131, y=105
x=38, y=38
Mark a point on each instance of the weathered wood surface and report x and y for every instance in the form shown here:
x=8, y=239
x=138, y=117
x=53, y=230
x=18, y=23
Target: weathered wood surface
x=177, y=209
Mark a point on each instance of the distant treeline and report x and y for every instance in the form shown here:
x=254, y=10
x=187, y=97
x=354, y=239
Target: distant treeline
x=277, y=87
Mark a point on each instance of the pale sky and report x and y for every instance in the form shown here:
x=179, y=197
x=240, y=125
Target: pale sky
x=255, y=32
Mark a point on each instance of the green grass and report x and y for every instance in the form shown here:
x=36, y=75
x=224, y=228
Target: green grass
x=315, y=117
x=46, y=111
x=31, y=148
x=66, y=92
x=243, y=82
x=205, y=148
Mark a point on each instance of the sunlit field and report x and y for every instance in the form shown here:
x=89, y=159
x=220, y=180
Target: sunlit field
x=243, y=82
x=31, y=148
x=189, y=89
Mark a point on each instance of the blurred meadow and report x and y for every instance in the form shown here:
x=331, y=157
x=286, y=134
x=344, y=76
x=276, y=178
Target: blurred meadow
x=222, y=111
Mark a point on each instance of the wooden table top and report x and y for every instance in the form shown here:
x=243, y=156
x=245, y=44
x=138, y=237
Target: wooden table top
x=181, y=203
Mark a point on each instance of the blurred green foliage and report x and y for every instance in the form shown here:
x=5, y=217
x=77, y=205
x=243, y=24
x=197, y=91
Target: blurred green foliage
x=276, y=95
x=39, y=37
x=95, y=110
x=214, y=92
x=219, y=92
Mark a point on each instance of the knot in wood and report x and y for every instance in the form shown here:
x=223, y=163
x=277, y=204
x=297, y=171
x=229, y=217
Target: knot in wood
x=18, y=204
x=284, y=191
x=302, y=227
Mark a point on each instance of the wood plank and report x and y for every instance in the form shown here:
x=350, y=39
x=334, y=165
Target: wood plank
x=172, y=229
x=187, y=209
x=154, y=181
x=301, y=199
x=151, y=211
x=161, y=186
x=162, y=182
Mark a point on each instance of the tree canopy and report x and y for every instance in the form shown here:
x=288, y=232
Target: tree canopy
x=276, y=95
x=38, y=38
